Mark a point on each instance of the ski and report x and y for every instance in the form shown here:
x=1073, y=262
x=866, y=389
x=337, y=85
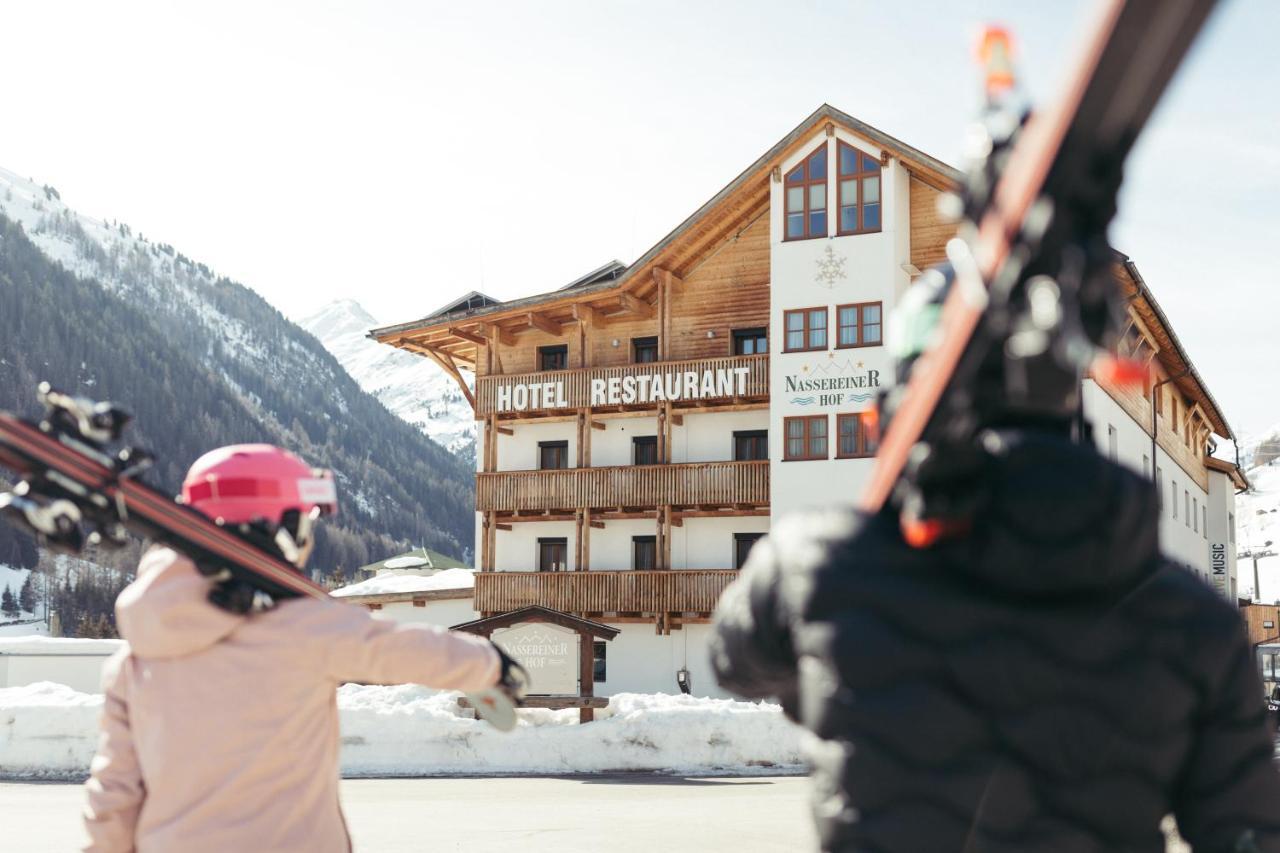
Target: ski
x=1045, y=190
x=76, y=490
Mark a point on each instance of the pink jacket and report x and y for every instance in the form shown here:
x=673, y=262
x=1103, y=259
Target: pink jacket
x=220, y=732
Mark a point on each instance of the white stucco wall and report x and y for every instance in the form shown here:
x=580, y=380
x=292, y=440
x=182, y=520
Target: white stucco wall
x=708, y=437
x=1222, y=546
x=445, y=613
x=1186, y=543
x=519, y=451
x=872, y=272
x=641, y=661
x=517, y=549
x=707, y=543
x=612, y=445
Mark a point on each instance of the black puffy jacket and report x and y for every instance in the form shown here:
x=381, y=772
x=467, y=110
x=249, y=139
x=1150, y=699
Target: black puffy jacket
x=1047, y=683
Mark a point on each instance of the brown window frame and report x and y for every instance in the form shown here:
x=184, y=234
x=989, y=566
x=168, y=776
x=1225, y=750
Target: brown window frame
x=858, y=306
x=646, y=342
x=739, y=556
x=805, y=182
x=806, y=329
x=562, y=445
x=857, y=176
x=599, y=661
x=864, y=447
x=553, y=349
x=753, y=436
x=753, y=333
x=639, y=441
x=807, y=437
x=554, y=542
x=650, y=541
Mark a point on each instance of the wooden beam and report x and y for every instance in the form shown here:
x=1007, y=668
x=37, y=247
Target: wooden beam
x=678, y=420
x=503, y=336
x=586, y=540
x=599, y=525
x=469, y=336
x=501, y=526
x=447, y=364
x=584, y=313
x=636, y=306
x=599, y=425
x=542, y=323
x=505, y=430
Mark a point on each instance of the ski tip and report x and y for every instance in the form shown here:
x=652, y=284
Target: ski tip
x=995, y=54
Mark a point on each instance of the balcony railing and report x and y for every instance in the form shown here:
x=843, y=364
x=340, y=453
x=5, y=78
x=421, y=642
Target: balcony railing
x=674, y=591
x=693, y=381
x=678, y=485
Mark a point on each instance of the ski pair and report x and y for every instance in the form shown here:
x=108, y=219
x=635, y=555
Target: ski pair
x=76, y=490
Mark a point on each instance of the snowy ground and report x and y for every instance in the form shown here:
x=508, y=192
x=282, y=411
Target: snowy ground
x=405, y=730
x=1257, y=524
x=384, y=583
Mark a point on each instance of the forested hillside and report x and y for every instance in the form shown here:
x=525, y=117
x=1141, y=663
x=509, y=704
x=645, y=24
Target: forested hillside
x=202, y=361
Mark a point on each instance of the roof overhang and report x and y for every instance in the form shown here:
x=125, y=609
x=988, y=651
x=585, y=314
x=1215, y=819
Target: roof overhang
x=538, y=614
x=1238, y=477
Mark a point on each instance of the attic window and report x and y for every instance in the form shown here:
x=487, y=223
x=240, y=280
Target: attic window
x=806, y=197
x=859, y=191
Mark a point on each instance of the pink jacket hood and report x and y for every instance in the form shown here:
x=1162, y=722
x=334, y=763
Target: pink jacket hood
x=165, y=612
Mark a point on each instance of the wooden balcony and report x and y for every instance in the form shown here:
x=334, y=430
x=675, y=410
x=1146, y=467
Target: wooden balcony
x=674, y=591
x=683, y=383
x=692, y=484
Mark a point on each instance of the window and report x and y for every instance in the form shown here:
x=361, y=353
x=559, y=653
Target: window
x=1231, y=527
x=644, y=552
x=553, y=555
x=750, y=341
x=805, y=188
x=644, y=450
x=859, y=176
x=742, y=545
x=750, y=445
x=858, y=325
x=806, y=438
x=854, y=441
x=1160, y=487
x=1186, y=497
x=1173, y=413
x=552, y=455
x=806, y=329
x=1146, y=465
x=553, y=357
x=1195, y=515
x=644, y=350
x=1204, y=521
x=599, y=661
x=1113, y=443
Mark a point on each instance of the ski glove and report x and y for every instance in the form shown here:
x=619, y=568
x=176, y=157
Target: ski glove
x=514, y=679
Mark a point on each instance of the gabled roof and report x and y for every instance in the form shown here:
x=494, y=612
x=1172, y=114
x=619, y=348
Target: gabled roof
x=538, y=614
x=753, y=179
x=608, y=272
x=467, y=302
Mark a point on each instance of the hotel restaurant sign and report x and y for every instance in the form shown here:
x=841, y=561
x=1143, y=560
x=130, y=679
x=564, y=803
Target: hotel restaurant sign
x=650, y=386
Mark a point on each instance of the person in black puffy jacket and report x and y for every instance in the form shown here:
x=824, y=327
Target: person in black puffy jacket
x=1046, y=682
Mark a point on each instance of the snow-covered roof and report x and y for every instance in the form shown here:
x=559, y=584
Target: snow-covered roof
x=448, y=579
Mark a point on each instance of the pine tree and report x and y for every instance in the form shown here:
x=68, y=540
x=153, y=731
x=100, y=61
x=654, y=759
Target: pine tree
x=27, y=594
x=8, y=604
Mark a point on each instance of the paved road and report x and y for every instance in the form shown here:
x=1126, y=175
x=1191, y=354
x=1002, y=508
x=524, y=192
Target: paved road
x=622, y=814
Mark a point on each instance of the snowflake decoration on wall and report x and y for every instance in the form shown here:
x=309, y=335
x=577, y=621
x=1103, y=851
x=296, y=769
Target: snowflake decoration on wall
x=830, y=268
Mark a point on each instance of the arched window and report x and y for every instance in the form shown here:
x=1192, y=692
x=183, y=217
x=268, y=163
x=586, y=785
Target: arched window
x=806, y=197
x=859, y=182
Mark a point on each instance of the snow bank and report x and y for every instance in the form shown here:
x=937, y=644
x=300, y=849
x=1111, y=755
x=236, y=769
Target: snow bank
x=49, y=732
x=446, y=579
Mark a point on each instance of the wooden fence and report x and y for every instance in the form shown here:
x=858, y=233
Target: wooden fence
x=673, y=591
x=679, y=485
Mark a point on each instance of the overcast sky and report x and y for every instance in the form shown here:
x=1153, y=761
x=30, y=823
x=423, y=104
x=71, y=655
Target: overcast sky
x=402, y=153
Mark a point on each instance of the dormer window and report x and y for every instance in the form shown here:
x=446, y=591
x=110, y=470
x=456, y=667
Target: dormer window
x=859, y=183
x=806, y=197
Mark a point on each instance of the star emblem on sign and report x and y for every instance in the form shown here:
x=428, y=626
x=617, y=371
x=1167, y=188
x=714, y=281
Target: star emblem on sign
x=830, y=268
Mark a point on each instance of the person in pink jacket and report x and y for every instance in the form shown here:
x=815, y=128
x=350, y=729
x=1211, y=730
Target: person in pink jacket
x=219, y=730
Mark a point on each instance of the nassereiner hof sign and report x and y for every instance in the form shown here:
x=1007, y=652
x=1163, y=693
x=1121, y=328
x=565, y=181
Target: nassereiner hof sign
x=832, y=384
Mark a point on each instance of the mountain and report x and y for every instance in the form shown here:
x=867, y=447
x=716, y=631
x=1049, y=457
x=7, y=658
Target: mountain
x=1260, y=448
x=203, y=361
x=412, y=387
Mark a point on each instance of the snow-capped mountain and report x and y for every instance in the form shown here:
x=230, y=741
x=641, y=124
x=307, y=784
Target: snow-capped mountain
x=412, y=387
x=98, y=309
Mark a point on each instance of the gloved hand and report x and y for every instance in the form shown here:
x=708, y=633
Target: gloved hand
x=513, y=679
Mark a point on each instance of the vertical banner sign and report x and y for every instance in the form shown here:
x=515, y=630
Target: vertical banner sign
x=1218, y=567
x=548, y=653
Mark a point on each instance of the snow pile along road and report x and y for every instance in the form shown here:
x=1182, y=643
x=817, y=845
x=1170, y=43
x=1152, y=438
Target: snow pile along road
x=388, y=583
x=49, y=731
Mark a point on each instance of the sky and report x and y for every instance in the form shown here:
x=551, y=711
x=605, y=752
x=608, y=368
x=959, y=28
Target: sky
x=403, y=153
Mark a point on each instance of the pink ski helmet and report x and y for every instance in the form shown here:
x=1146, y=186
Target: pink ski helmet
x=247, y=482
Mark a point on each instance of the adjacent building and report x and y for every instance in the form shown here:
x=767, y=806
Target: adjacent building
x=640, y=427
